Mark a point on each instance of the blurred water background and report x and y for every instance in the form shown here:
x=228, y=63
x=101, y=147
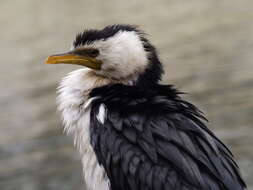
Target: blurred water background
x=206, y=47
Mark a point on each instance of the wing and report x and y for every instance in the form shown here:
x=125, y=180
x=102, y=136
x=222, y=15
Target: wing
x=160, y=144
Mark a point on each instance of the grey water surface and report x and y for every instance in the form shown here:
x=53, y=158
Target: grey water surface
x=206, y=48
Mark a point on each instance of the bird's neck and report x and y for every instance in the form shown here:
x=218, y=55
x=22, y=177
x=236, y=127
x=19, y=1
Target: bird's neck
x=74, y=90
x=74, y=103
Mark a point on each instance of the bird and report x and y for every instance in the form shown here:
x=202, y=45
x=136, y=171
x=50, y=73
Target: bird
x=132, y=132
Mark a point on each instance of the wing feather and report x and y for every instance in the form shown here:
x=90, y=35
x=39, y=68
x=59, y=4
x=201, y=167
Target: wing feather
x=156, y=142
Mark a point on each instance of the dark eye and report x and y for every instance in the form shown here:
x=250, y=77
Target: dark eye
x=94, y=52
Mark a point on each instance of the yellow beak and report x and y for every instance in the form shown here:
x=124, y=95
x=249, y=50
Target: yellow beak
x=72, y=58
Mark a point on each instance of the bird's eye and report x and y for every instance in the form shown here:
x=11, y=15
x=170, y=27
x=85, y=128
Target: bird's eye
x=94, y=52
x=87, y=52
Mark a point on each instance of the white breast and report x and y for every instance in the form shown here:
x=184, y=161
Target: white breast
x=74, y=103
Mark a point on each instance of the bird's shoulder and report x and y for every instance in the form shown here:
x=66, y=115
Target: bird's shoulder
x=153, y=139
x=147, y=103
x=138, y=97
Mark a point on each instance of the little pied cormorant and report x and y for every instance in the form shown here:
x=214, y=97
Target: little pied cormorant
x=132, y=132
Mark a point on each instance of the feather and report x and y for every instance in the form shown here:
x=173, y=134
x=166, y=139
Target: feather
x=156, y=140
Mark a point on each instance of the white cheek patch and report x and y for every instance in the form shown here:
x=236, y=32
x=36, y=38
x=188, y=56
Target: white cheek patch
x=123, y=55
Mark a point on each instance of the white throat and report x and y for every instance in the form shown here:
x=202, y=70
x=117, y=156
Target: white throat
x=74, y=103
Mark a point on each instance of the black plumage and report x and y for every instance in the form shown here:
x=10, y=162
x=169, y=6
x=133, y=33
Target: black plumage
x=152, y=139
x=91, y=35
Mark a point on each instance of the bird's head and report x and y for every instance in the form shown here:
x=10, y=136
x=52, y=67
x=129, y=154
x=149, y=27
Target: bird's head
x=117, y=52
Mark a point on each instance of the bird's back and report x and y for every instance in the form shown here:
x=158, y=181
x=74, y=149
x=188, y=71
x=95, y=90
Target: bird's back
x=150, y=138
